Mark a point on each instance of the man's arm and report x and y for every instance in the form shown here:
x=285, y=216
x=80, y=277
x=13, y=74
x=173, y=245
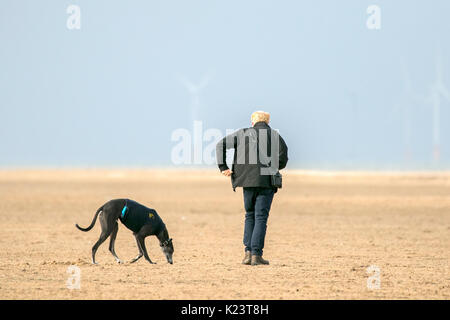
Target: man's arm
x=228, y=142
x=283, y=154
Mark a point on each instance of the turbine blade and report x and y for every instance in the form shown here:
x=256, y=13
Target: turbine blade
x=444, y=92
x=406, y=78
x=439, y=66
x=205, y=81
x=188, y=84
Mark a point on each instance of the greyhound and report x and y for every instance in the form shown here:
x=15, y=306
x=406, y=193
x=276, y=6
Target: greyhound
x=141, y=220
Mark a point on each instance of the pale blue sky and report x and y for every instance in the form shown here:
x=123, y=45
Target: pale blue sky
x=109, y=94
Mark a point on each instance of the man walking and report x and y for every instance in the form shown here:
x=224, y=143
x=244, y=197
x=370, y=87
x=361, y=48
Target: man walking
x=259, y=153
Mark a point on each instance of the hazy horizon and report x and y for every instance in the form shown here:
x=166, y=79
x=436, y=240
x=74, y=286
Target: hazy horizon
x=111, y=93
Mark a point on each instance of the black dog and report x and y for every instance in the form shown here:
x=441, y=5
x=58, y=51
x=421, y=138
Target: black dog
x=141, y=220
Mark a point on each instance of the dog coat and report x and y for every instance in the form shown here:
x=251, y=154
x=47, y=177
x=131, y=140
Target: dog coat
x=134, y=216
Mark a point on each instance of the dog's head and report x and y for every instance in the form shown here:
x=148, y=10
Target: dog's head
x=167, y=248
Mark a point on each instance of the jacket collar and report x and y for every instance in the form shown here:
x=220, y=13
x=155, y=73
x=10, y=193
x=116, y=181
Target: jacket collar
x=261, y=124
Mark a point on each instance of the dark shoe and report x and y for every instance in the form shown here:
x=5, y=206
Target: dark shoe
x=256, y=260
x=247, y=258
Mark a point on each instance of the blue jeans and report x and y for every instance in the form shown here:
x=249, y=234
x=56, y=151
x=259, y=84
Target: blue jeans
x=257, y=202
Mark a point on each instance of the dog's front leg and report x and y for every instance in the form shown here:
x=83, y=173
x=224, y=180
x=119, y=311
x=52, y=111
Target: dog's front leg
x=141, y=242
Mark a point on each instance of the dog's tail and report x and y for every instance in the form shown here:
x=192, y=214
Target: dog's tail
x=92, y=223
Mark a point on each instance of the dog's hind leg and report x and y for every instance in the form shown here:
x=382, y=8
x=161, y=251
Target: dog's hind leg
x=112, y=242
x=102, y=239
x=107, y=228
x=140, y=251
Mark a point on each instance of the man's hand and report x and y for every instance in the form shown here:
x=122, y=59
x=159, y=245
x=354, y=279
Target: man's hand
x=227, y=172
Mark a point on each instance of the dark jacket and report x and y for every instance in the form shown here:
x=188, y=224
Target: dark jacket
x=135, y=215
x=253, y=162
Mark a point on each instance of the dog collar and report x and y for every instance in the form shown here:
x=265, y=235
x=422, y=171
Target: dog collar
x=165, y=243
x=124, y=210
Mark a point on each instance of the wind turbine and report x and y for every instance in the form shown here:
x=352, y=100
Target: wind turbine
x=354, y=126
x=405, y=105
x=437, y=90
x=194, y=91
